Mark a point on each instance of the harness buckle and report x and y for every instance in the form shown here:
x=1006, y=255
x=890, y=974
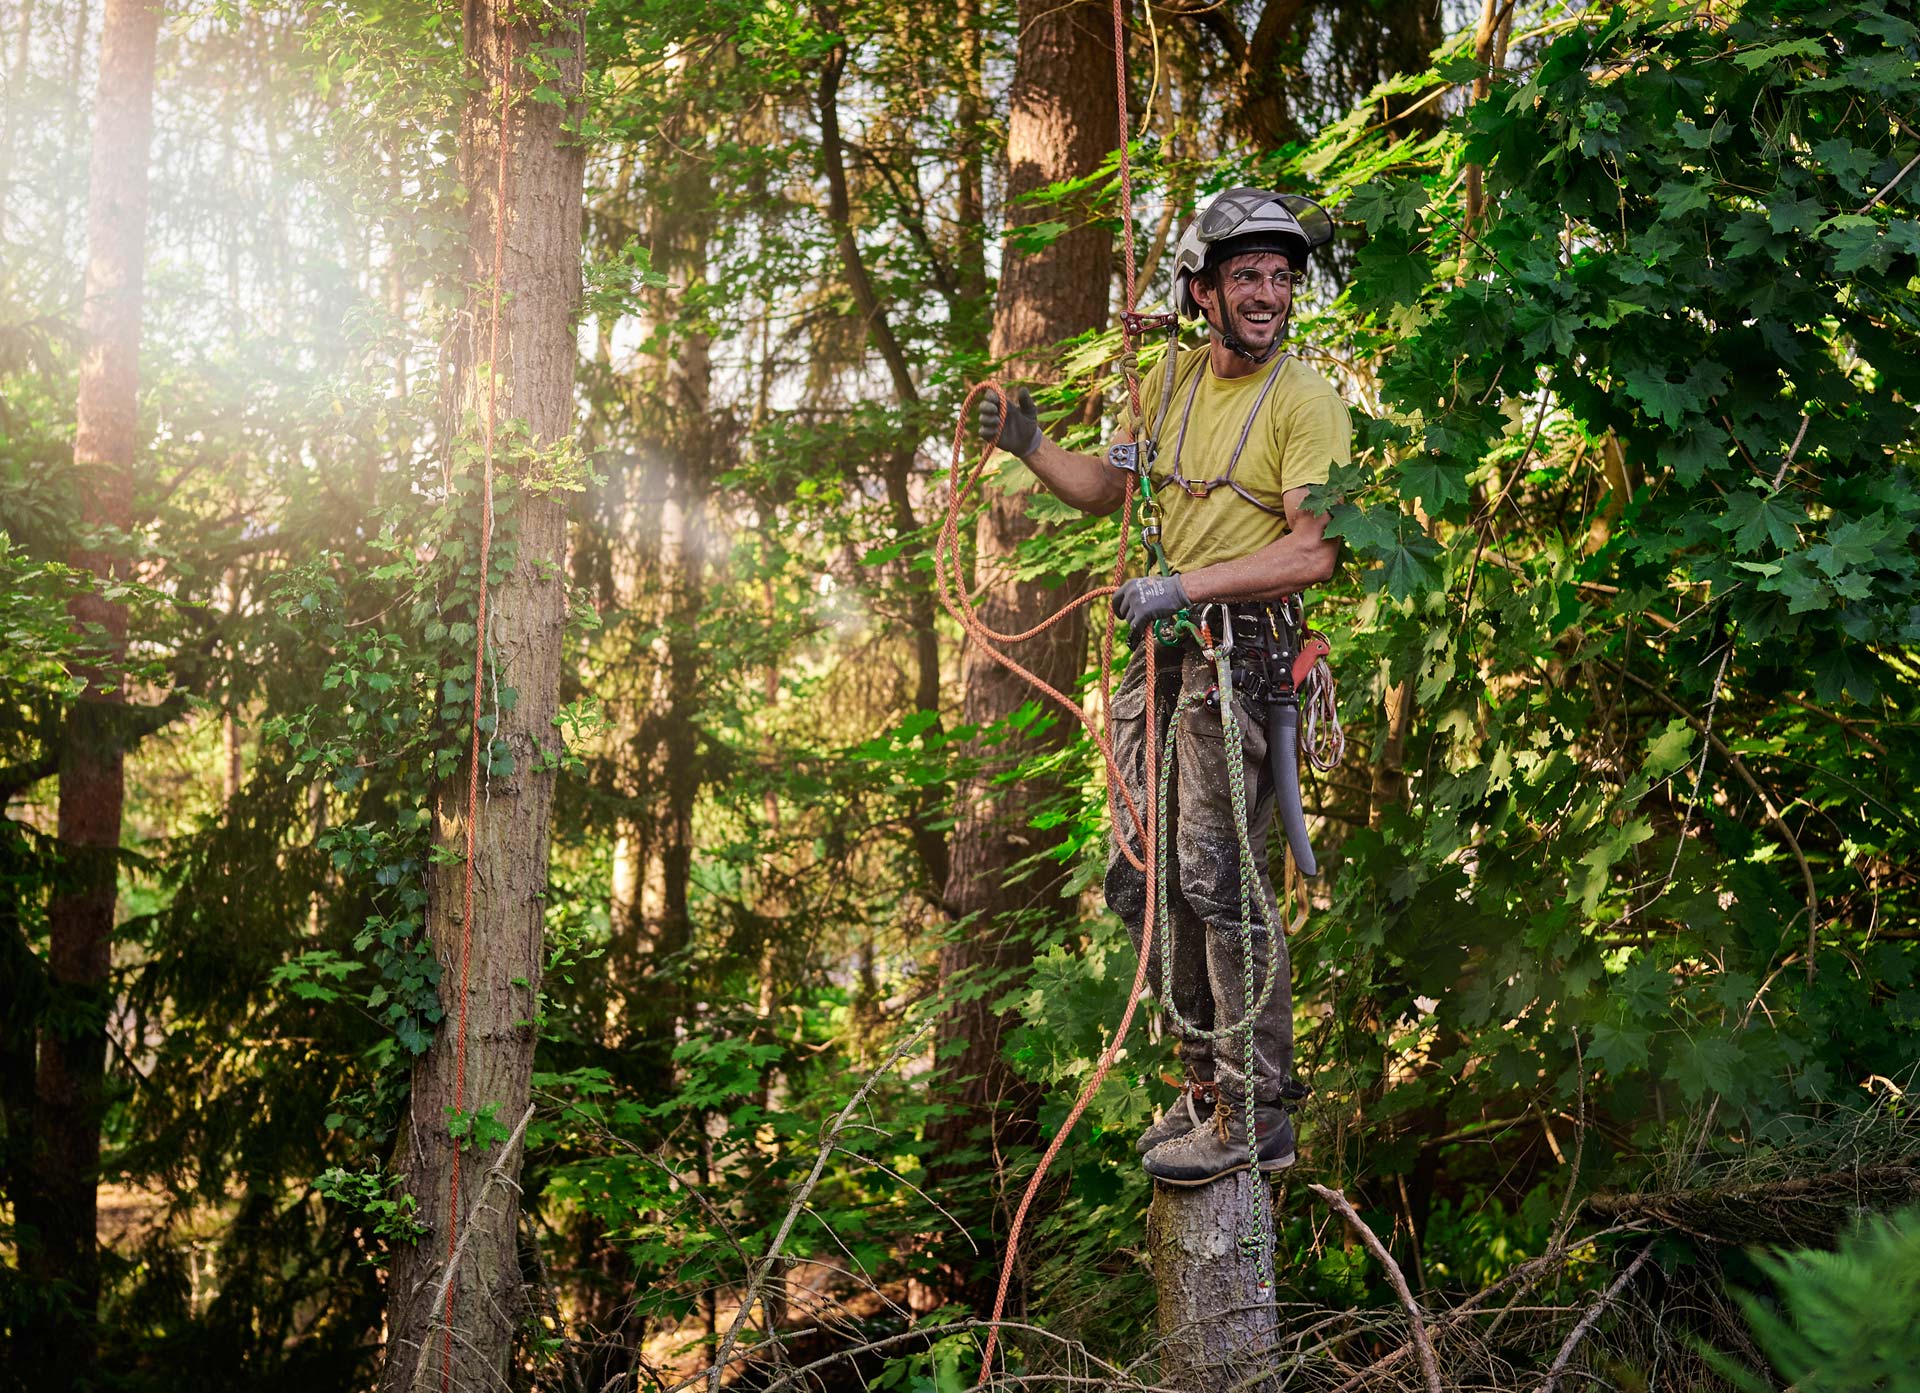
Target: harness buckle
x=1132, y=456
x=1196, y=488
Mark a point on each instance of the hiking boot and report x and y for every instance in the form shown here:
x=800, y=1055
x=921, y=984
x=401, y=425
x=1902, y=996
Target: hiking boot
x=1207, y=1153
x=1193, y=1108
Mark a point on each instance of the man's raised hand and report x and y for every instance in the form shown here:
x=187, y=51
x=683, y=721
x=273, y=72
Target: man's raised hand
x=1020, y=433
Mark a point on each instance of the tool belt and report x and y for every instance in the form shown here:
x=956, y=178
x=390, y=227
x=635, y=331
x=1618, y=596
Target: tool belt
x=1272, y=649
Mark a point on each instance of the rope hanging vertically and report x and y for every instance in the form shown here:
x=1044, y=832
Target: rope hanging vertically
x=948, y=573
x=479, y=673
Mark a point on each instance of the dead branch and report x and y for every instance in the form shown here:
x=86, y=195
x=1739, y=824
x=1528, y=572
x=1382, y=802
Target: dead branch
x=1523, y=1277
x=495, y=1173
x=1422, y=1345
x=828, y=1145
x=1588, y=1321
x=1738, y=766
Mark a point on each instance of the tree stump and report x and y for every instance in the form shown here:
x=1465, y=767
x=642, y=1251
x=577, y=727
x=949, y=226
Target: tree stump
x=1218, y=1326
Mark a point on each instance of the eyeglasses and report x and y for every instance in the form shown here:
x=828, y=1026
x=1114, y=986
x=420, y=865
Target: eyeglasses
x=1248, y=279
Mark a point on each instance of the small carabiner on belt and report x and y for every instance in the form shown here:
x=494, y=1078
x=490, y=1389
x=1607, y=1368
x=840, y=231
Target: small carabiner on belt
x=1208, y=649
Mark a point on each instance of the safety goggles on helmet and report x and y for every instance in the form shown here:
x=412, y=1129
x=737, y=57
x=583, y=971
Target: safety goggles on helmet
x=1231, y=211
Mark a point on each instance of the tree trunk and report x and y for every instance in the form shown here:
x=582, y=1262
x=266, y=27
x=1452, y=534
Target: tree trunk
x=58, y=1214
x=678, y=392
x=464, y=1340
x=928, y=841
x=1217, y=1326
x=1061, y=124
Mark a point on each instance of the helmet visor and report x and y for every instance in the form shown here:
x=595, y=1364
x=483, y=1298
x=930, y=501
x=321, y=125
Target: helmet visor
x=1230, y=211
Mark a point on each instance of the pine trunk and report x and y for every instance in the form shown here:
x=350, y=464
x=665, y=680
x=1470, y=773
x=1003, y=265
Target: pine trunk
x=459, y=1333
x=1061, y=124
x=58, y=1213
x=1217, y=1325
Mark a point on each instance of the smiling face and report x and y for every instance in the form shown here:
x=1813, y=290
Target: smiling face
x=1249, y=295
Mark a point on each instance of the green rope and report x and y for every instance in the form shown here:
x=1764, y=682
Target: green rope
x=1259, y=1241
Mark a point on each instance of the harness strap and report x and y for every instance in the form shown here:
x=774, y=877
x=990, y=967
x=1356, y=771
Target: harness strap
x=1200, y=490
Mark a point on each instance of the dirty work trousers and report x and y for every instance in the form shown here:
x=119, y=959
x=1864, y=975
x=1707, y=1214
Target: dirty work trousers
x=1202, y=900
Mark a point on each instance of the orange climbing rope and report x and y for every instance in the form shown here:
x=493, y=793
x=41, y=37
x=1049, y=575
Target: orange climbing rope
x=479, y=668
x=949, y=577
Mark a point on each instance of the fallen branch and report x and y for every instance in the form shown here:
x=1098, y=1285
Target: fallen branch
x=1523, y=1277
x=827, y=1146
x=1798, y=1210
x=495, y=1172
x=1423, y=1346
x=1588, y=1321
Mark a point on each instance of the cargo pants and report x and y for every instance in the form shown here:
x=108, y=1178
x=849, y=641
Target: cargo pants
x=1201, y=921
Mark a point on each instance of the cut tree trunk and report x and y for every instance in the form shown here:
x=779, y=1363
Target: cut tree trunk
x=1217, y=1327
x=58, y=1211
x=460, y=1332
x=1061, y=124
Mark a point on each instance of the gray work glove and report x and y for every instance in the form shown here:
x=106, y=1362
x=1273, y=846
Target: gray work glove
x=1141, y=601
x=1021, y=433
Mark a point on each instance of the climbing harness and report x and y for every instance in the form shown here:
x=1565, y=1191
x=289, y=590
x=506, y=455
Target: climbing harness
x=1199, y=489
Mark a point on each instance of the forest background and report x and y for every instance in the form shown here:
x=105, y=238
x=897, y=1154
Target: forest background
x=1608, y=991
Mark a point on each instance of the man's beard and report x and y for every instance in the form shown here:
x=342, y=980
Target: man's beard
x=1236, y=345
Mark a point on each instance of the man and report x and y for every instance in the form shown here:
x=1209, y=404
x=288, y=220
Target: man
x=1241, y=429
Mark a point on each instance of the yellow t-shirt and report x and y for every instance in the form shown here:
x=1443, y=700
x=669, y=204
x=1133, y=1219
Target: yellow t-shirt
x=1301, y=432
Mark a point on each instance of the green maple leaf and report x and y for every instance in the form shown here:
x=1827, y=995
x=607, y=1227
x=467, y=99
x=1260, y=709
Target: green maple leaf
x=1619, y=1047
x=1856, y=542
x=1396, y=203
x=1412, y=566
x=1665, y=400
x=1669, y=750
x=1755, y=518
x=1370, y=531
x=1541, y=324
x=1678, y=197
x=1434, y=482
x=1709, y=1064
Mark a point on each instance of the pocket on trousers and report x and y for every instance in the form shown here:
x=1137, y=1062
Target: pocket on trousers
x=1203, y=723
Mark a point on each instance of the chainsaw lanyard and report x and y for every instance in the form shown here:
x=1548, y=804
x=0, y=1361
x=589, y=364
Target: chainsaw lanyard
x=1201, y=490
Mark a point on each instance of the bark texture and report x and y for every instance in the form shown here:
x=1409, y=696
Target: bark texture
x=539, y=278
x=58, y=1211
x=1061, y=123
x=1216, y=1328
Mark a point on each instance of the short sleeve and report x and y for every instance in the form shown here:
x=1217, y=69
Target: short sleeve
x=1317, y=436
